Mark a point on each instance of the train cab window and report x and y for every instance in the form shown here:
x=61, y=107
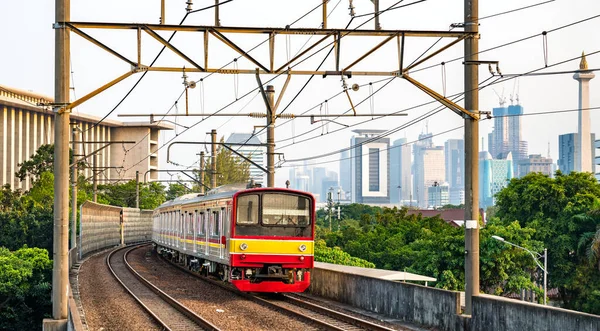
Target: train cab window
x=285, y=210
x=247, y=210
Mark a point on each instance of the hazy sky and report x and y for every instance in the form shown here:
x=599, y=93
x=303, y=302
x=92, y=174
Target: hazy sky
x=27, y=62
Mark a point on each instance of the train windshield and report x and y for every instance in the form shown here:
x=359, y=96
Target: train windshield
x=273, y=214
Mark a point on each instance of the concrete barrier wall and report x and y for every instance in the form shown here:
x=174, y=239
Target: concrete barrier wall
x=99, y=227
x=497, y=313
x=137, y=225
x=426, y=306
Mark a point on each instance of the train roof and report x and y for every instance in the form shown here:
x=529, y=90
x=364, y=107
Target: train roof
x=221, y=192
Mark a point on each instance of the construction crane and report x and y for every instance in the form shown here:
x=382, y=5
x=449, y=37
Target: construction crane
x=502, y=99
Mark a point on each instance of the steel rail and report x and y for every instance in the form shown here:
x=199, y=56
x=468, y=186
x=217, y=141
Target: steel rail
x=193, y=317
x=363, y=324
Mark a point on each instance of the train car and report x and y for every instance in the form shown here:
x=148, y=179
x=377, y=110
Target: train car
x=258, y=239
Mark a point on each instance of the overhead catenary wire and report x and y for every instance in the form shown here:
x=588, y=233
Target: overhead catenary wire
x=254, y=134
x=500, y=79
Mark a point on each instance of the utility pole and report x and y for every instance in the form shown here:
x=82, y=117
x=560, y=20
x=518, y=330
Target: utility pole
x=213, y=159
x=202, y=165
x=471, y=22
x=62, y=60
x=330, y=205
x=271, y=136
x=74, y=192
x=137, y=189
x=95, y=178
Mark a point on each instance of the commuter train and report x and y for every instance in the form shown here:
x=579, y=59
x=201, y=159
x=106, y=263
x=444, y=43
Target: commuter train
x=258, y=239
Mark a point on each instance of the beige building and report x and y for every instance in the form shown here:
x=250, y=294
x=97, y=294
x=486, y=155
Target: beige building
x=25, y=126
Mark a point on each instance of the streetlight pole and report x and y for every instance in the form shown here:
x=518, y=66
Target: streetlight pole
x=535, y=256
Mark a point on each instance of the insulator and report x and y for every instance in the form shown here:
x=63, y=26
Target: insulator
x=257, y=115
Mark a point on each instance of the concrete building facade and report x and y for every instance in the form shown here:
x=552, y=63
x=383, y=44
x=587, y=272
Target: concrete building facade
x=537, y=163
x=400, y=175
x=25, y=126
x=370, y=167
x=438, y=195
x=428, y=167
x=568, y=151
x=346, y=171
x=494, y=175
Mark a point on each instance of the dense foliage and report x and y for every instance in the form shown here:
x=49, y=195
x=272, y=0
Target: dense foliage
x=230, y=168
x=565, y=211
x=394, y=240
x=25, y=287
x=337, y=256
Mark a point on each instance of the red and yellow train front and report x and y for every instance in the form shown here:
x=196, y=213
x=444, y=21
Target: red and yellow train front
x=271, y=246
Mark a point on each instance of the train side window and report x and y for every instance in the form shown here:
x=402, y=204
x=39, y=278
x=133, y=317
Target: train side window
x=190, y=226
x=201, y=223
x=215, y=223
x=247, y=209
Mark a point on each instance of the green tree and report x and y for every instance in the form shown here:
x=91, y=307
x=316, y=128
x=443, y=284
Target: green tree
x=25, y=288
x=176, y=190
x=41, y=161
x=152, y=194
x=230, y=168
x=554, y=208
x=337, y=256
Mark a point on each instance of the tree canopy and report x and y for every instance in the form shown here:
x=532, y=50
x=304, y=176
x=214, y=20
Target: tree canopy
x=230, y=168
x=564, y=212
x=25, y=288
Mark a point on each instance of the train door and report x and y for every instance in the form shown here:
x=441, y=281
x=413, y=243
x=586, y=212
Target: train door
x=185, y=230
x=221, y=232
x=195, y=229
x=206, y=221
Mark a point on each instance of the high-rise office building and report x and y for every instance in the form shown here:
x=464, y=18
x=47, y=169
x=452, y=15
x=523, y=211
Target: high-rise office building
x=494, y=175
x=428, y=167
x=345, y=171
x=438, y=195
x=370, y=167
x=597, y=158
x=319, y=174
x=454, y=150
x=254, y=153
x=537, y=163
x=506, y=136
x=400, y=176
x=568, y=151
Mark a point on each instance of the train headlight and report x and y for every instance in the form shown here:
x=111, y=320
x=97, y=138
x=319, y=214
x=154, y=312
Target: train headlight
x=302, y=248
x=243, y=246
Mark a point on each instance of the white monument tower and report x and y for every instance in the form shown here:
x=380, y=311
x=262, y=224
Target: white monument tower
x=584, y=160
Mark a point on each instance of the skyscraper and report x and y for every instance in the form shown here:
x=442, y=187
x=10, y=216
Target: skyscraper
x=506, y=136
x=400, y=176
x=568, y=151
x=428, y=167
x=370, y=167
x=494, y=175
x=454, y=150
x=537, y=163
x=319, y=174
x=345, y=171
x=256, y=154
x=583, y=162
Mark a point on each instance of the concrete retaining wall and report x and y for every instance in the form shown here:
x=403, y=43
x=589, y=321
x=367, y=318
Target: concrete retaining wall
x=99, y=227
x=408, y=302
x=497, y=313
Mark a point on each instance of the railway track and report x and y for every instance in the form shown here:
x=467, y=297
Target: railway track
x=324, y=318
x=165, y=310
